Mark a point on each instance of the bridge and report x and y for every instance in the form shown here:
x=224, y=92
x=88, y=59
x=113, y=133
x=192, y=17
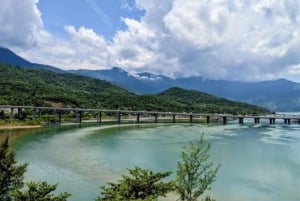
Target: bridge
x=137, y=117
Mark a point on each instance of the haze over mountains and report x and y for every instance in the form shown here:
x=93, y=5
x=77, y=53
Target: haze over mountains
x=276, y=95
x=9, y=57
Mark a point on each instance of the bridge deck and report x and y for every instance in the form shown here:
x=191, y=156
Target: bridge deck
x=272, y=117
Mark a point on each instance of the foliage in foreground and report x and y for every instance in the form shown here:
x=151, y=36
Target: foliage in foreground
x=39, y=191
x=141, y=184
x=11, y=174
x=195, y=173
x=11, y=181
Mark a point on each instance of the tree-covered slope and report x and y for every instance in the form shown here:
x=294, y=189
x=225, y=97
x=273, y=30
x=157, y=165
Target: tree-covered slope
x=208, y=103
x=20, y=86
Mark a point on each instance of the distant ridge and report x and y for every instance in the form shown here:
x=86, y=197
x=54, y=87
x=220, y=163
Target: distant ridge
x=9, y=57
x=276, y=95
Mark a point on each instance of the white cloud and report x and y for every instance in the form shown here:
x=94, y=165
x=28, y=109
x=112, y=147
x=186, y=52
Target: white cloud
x=20, y=22
x=220, y=39
x=135, y=47
x=196, y=22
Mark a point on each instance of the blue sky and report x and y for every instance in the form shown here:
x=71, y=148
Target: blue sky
x=102, y=16
x=217, y=39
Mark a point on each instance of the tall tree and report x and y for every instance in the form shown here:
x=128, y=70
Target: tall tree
x=11, y=174
x=195, y=173
x=140, y=185
x=11, y=181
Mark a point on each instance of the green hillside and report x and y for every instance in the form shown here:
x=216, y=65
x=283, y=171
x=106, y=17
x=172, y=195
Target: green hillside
x=21, y=86
x=195, y=100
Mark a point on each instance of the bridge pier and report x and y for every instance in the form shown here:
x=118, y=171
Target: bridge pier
x=191, y=118
x=11, y=116
x=55, y=116
x=272, y=121
x=224, y=120
x=33, y=114
x=59, y=116
x=20, y=113
x=207, y=119
x=79, y=116
x=256, y=120
x=99, y=117
x=174, y=118
x=241, y=120
x=287, y=121
x=155, y=118
x=138, y=118
x=119, y=118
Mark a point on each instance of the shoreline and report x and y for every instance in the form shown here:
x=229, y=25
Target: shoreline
x=10, y=127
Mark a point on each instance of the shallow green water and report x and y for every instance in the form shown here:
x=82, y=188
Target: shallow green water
x=259, y=162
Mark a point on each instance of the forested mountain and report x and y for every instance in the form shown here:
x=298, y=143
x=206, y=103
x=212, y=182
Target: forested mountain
x=22, y=86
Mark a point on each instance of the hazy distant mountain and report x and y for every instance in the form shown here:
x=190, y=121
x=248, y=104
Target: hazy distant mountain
x=9, y=57
x=120, y=77
x=277, y=95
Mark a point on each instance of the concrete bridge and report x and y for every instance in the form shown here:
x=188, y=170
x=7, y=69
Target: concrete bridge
x=121, y=116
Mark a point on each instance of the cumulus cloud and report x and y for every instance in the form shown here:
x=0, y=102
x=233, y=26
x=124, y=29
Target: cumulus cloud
x=218, y=39
x=134, y=47
x=20, y=22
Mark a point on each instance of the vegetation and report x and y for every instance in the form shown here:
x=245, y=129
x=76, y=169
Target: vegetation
x=11, y=181
x=39, y=191
x=195, y=173
x=20, y=86
x=139, y=185
x=190, y=101
x=11, y=174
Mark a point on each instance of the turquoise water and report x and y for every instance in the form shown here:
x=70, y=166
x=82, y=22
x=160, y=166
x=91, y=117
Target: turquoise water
x=258, y=162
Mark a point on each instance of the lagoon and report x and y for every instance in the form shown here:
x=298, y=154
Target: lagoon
x=258, y=162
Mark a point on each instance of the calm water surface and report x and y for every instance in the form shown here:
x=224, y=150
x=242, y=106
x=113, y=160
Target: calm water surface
x=258, y=162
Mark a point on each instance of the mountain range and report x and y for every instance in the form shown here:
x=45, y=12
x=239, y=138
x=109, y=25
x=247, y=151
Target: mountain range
x=39, y=87
x=276, y=95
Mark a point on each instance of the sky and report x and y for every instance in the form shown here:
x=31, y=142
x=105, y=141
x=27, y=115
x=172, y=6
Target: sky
x=243, y=40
